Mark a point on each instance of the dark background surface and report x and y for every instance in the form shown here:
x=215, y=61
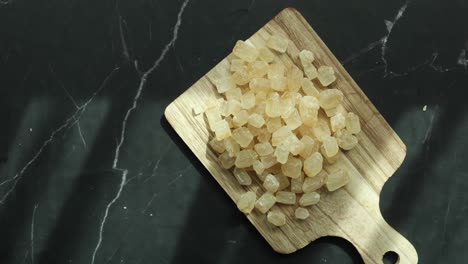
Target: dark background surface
x=85, y=172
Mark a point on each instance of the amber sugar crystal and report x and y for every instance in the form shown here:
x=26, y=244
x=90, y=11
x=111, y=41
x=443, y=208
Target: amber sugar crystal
x=278, y=126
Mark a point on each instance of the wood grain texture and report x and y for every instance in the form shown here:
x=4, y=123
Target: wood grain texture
x=351, y=212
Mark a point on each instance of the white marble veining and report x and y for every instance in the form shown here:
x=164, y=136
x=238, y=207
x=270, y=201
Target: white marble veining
x=33, y=218
x=383, y=44
x=125, y=52
x=155, y=217
x=106, y=212
x=68, y=94
x=180, y=174
x=447, y=212
x=69, y=122
x=362, y=51
x=390, y=25
x=428, y=134
x=158, y=161
x=143, y=79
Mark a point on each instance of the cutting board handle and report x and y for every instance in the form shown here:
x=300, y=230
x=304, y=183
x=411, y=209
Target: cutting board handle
x=384, y=239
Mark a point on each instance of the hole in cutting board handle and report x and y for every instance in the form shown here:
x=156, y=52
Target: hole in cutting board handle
x=390, y=257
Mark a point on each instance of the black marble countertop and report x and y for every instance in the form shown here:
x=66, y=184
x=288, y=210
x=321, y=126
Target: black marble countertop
x=91, y=172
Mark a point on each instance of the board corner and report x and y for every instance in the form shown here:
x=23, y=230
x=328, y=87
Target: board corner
x=168, y=110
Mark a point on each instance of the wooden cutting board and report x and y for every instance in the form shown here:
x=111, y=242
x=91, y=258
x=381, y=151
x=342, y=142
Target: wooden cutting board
x=351, y=212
